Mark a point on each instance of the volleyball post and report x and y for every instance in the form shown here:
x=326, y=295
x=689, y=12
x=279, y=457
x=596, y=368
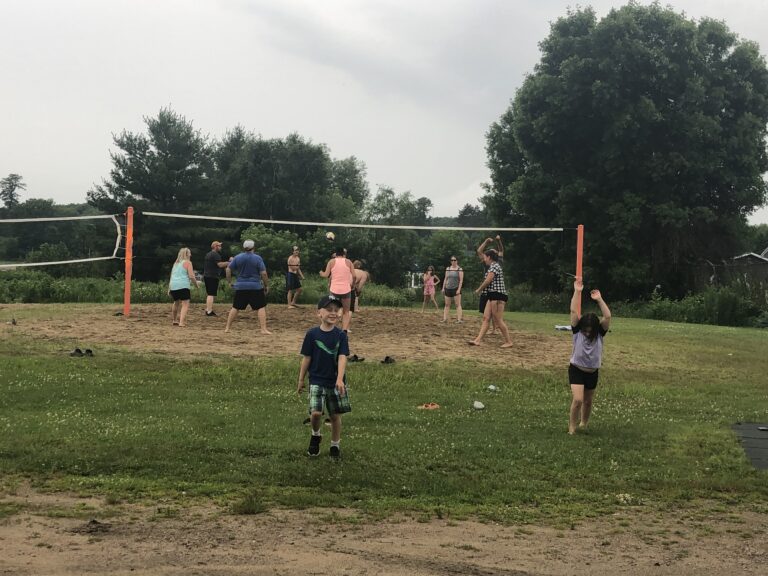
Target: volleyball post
x=579, y=255
x=128, y=261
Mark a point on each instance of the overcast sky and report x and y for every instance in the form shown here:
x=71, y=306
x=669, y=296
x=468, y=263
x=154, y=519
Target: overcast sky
x=409, y=87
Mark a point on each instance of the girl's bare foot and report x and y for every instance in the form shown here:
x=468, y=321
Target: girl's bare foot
x=265, y=331
x=507, y=345
x=473, y=343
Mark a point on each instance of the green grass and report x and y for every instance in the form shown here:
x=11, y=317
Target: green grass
x=134, y=427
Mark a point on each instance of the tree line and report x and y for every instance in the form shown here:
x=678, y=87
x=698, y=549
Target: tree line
x=645, y=126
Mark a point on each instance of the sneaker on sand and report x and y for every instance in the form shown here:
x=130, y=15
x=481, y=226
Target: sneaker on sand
x=314, y=445
x=335, y=452
x=211, y=313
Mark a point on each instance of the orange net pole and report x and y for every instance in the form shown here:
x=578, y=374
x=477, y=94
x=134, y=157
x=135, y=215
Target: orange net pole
x=579, y=255
x=128, y=261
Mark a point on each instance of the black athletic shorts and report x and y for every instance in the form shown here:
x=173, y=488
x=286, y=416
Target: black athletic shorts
x=180, y=294
x=449, y=292
x=494, y=296
x=211, y=286
x=254, y=298
x=578, y=376
x=292, y=281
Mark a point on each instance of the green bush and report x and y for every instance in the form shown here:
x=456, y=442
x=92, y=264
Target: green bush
x=34, y=286
x=724, y=306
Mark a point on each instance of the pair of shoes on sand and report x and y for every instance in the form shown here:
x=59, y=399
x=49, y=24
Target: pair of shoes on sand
x=388, y=360
x=356, y=358
x=77, y=353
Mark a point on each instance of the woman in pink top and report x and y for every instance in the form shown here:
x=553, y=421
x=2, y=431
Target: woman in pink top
x=430, y=281
x=341, y=273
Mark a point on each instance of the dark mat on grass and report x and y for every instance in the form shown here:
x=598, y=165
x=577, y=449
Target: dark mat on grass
x=754, y=440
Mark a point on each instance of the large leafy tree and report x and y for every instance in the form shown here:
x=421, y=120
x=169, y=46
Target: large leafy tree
x=648, y=128
x=167, y=169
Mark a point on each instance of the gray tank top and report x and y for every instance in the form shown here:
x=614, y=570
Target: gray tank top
x=451, y=278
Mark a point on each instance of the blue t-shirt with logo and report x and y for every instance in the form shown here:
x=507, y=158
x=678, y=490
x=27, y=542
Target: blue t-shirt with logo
x=248, y=267
x=324, y=349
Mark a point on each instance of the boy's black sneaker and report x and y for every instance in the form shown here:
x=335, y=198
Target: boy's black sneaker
x=335, y=452
x=314, y=445
x=211, y=313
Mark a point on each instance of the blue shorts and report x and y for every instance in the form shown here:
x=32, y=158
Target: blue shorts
x=292, y=281
x=334, y=402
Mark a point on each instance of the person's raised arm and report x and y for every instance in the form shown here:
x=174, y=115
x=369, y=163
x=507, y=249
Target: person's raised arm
x=481, y=248
x=500, y=246
x=605, y=321
x=578, y=286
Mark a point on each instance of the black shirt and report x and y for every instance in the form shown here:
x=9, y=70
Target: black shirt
x=211, y=268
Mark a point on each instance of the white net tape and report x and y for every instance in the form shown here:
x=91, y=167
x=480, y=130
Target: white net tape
x=118, y=240
x=344, y=225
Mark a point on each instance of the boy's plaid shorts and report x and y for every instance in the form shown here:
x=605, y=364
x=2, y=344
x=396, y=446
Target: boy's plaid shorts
x=334, y=402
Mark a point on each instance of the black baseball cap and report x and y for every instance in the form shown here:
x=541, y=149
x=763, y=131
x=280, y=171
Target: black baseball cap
x=325, y=301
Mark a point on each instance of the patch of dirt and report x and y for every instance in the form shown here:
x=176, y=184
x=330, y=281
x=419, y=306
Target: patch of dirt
x=204, y=540
x=374, y=334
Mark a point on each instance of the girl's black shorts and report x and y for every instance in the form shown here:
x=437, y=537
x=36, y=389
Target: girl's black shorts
x=578, y=376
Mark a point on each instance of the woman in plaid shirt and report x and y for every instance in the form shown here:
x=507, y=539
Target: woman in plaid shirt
x=496, y=293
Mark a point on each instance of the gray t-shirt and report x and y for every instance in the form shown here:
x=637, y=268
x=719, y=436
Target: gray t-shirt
x=587, y=353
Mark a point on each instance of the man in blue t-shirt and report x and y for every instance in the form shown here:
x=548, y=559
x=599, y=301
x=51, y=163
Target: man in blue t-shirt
x=325, y=350
x=251, y=287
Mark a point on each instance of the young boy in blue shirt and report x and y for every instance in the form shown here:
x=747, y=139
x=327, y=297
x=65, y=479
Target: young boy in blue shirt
x=325, y=350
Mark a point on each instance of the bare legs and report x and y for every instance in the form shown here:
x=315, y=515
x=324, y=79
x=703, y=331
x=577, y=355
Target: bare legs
x=179, y=312
x=346, y=313
x=447, y=309
x=230, y=318
x=293, y=296
x=261, y=313
x=209, y=304
x=494, y=310
x=316, y=421
x=581, y=407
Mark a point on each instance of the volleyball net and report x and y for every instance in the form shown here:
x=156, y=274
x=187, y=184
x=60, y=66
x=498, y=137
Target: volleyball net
x=113, y=256
x=124, y=236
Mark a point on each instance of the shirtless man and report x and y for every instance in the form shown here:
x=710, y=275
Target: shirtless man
x=360, y=278
x=293, y=278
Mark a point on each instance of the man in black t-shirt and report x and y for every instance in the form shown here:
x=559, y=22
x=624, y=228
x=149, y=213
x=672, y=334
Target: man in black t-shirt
x=211, y=274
